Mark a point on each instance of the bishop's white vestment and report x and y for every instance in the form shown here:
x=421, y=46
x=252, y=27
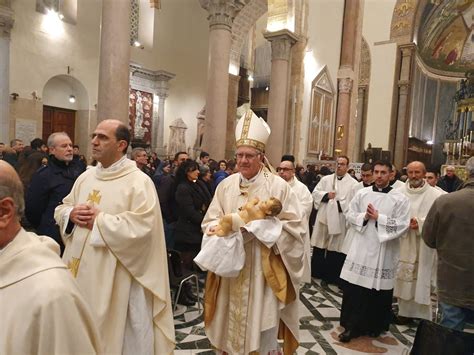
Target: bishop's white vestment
x=373, y=255
x=306, y=204
x=42, y=310
x=121, y=265
x=417, y=263
x=321, y=237
x=261, y=301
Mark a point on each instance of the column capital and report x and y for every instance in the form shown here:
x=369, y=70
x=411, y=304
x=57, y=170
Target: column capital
x=281, y=42
x=6, y=21
x=408, y=49
x=222, y=12
x=345, y=85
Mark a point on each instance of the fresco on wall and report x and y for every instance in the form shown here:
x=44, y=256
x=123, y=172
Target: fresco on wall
x=446, y=37
x=140, y=113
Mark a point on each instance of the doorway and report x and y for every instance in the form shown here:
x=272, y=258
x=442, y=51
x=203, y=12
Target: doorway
x=56, y=119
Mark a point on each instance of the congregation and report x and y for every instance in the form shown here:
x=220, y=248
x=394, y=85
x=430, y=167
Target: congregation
x=388, y=236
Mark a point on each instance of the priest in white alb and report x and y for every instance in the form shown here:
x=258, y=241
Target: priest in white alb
x=331, y=200
x=417, y=264
x=379, y=215
x=115, y=248
x=286, y=170
x=248, y=311
x=42, y=310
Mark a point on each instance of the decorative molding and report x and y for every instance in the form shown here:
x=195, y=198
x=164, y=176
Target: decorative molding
x=155, y=80
x=365, y=63
x=323, y=81
x=281, y=42
x=403, y=18
x=6, y=21
x=345, y=85
x=222, y=12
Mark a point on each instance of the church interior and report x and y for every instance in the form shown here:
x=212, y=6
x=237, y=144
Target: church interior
x=368, y=79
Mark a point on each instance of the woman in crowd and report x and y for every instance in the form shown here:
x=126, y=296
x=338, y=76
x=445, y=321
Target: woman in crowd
x=192, y=199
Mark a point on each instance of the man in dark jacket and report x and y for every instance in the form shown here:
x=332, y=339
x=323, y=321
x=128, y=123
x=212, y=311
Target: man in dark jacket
x=450, y=182
x=50, y=184
x=449, y=228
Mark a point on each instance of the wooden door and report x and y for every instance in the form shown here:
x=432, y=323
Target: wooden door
x=57, y=119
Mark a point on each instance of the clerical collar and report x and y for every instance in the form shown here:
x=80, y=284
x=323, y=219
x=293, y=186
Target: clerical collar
x=340, y=177
x=114, y=167
x=384, y=190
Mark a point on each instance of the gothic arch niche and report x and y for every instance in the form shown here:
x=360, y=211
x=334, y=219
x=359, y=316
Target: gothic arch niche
x=322, y=115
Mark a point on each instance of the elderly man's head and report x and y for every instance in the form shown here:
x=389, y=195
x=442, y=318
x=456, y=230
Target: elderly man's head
x=140, y=156
x=416, y=171
x=12, y=203
x=60, y=145
x=450, y=171
x=249, y=161
x=17, y=145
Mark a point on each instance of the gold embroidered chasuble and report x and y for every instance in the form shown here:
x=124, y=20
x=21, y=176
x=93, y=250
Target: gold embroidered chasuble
x=133, y=252
x=42, y=310
x=262, y=297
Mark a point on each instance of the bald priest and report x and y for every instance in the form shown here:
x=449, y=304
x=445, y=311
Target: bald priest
x=41, y=308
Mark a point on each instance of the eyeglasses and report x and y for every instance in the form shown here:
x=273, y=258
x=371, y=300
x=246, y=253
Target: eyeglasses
x=284, y=169
x=247, y=156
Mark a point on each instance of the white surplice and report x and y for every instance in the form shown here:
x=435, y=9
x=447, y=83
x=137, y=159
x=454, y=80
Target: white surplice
x=306, y=201
x=417, y=265
x=321, y=237
x=373, y=255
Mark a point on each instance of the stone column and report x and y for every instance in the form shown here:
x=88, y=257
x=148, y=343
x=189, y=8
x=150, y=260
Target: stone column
x=114, y=61
x=162, y=89
x=231, y=115
x=221, y=17
x=281, y=42
x=6, y=24
x=343, y=116
x=403, y=105
x=360, y=123
x=346, y=75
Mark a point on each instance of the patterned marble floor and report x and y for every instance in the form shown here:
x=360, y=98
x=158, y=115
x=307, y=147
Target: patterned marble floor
x=319, y=326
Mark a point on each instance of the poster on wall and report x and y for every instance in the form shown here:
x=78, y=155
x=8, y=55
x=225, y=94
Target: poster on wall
x=25, y=130
x=140, y=113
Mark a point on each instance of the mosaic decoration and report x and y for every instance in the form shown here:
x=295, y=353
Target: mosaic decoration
x=134, y=21
x=446, y=36
x=140, y=113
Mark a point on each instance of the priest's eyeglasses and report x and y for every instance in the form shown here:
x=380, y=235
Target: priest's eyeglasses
x=247, y=156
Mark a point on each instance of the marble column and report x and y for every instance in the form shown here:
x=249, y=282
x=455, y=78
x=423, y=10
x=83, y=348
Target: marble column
x=6, y=24
x=343, y=116
x=360, y=123
x=221, y=17
x=281, y=42
x=231, y=115
x=400, y=145
x=158, y=136
x=345, y=112
x=114, y=61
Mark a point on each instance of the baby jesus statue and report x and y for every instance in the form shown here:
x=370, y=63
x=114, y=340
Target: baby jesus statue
x=253, y=210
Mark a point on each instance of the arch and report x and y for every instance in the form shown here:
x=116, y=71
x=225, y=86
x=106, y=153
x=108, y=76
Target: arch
x=243, y=22
x=58, y=88
x=402, y=28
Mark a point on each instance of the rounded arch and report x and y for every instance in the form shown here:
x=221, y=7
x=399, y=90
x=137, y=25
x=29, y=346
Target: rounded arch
x=243, y=22
x=58, y=89
x=402, y=28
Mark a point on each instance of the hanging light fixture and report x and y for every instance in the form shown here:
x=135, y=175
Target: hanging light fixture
x=72, y=99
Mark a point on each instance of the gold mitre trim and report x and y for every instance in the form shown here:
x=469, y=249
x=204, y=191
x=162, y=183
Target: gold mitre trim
x=252, y=143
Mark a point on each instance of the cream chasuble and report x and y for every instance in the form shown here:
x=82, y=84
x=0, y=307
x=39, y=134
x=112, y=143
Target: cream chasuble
x=417, y=263
x=306, y=202
x=41, y=308
x=321, y=238
x=245, y=308
x=121, y=265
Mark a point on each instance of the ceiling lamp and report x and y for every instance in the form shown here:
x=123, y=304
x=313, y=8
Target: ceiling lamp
x=72, y=99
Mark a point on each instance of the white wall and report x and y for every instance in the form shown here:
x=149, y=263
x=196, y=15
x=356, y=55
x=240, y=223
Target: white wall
x=180, y=47
x=325, y=19
x=36, y=56
x=376, y=28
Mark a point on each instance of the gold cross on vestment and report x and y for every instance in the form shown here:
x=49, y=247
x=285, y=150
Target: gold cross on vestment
x=94, y=197
x=73, y=265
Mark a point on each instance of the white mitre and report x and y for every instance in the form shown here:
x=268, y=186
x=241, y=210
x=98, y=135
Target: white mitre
x=252, y=131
